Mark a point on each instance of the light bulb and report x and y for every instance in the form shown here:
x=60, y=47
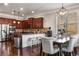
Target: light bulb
x=14, y=22
x=33, y=12
x=12, y=12
x=62, y=13
x=22, y=14
x=5, y=4
x=21, y=9
x=18, y=22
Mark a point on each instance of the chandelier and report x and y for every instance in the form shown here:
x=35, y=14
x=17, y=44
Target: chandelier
x=15, y=12
x=62, y=20
x=62, y=11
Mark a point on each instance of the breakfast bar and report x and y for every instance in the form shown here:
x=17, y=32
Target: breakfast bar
x=26, y=39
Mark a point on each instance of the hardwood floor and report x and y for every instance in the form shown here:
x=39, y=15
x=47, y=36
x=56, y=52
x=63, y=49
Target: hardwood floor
x=7, y=49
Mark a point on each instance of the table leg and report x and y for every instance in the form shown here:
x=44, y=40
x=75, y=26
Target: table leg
x=21, y=53
x=60, y=47
x=40, y=49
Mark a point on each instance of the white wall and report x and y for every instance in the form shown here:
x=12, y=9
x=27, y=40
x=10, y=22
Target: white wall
x=76, y=11
x=49, y=19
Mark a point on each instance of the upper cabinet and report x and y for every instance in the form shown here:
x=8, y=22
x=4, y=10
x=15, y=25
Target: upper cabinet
x=18, y=24
x=30, y=23
x=6, y=21
x=38, y=23
x=33, y=23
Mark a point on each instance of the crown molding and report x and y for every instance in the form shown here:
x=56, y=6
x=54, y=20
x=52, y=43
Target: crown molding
x=10, y=16
x=72, y=7
x=53, y=11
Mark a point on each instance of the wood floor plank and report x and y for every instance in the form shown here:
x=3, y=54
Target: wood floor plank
x=7, y=49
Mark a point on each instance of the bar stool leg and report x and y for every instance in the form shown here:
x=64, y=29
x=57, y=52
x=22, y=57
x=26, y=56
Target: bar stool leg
x=32, y=47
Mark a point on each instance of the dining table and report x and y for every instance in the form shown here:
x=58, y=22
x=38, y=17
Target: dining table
x=59, y=41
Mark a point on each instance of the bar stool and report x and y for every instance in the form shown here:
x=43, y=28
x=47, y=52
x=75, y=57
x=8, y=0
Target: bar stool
x=17, y=41
x=32, y=41
x=39, y=44
x=38, y=39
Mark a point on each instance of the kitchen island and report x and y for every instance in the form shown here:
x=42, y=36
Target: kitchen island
x=28, y=39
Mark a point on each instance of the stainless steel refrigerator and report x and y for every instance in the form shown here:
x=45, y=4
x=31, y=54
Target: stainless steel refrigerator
x=4, y=31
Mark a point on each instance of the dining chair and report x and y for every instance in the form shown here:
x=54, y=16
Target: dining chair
x=48, y=48
x=77, y=39
x=76, y=44
x=70, y=48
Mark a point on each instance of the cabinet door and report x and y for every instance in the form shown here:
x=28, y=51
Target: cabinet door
x=30, y=22
x=24, y=24
x=11, y=22
x=1, y=21
x=18, y=24
x=38, y=23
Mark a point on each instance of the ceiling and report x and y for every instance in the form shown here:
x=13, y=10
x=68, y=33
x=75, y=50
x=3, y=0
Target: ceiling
x=29, y=7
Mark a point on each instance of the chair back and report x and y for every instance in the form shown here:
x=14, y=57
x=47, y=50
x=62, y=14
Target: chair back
x=47, y=45
x=77, y=39
x=71, y=45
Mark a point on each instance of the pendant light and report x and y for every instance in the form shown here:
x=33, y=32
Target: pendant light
x=18, y=17
x=61, y=19
x=13, y=12
x=62, y=11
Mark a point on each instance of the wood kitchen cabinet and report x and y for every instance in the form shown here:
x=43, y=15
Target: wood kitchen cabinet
x=1, y=20
x=6, y=21
x=27, y=24
x=30, y=23
x=18, y=24
x=24, y=24
x=33, y=23
x=38, y=23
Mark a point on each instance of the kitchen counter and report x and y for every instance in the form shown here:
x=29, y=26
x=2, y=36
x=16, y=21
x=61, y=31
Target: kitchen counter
x=27, y=42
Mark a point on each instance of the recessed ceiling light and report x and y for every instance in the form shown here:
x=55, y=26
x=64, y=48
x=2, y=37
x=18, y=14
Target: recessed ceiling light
x=5, y=4
x=12, y=12
x=33, y=11
x=21, y=9
x=22, y=14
